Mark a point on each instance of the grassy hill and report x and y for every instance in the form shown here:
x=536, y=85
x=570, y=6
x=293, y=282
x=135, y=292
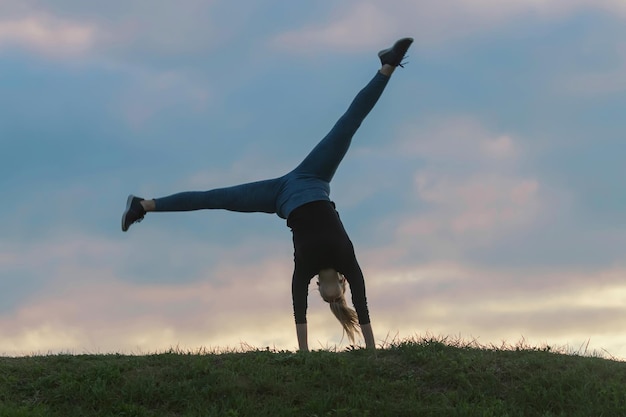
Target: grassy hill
x=413, y=378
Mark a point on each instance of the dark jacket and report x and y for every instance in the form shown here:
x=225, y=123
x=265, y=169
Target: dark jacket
x=320, y=241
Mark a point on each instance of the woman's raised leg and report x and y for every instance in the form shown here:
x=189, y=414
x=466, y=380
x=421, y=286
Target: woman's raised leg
x=323, y=160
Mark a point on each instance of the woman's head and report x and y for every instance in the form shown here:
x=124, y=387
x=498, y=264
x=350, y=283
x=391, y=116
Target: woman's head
x=332, y=287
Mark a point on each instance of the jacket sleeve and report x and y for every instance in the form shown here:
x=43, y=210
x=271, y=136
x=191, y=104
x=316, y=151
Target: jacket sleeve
x=354, y=276
x=299, y=293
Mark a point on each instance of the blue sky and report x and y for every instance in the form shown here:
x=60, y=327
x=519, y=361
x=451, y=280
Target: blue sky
x=484, y=194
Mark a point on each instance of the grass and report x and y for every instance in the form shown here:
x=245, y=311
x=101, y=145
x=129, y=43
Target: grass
x=428, y=377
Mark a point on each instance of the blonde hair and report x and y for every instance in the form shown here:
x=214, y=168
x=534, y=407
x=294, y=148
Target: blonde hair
x=333, y=285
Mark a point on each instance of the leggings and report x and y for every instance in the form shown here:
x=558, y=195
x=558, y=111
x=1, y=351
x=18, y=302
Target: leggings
x=309, y=181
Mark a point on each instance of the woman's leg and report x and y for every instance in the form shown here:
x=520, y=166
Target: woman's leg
x=257, y=196
x=323, y=160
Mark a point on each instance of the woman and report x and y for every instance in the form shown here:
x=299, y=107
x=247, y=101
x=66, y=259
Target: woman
x=321, y=245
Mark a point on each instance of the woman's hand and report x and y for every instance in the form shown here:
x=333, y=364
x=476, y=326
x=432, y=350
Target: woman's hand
x=301, y=331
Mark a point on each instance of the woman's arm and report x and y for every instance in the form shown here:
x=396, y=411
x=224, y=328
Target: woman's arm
x=368, y=335
x=299, y=292
x=301, y=331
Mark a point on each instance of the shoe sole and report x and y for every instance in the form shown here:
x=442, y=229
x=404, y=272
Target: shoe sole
x=129, y=201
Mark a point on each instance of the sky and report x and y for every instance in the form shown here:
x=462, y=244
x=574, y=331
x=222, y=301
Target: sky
x=484, y=193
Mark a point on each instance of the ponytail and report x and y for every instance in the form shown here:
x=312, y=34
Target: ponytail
x=346, y=316
x=332, y=286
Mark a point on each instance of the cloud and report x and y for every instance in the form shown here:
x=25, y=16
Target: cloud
x=461, y=190
x=87, y=300
x=165, y=33
x=469, y=188
x=153, y=93
x=115, y=34
x=47, y=35
x=93, y=309
x=135, y=32
x=430, y=23
x=479, y=206
x=462, y=226
x=459, y=142
x=342, y=32
x=86, y=303
x=490, y=9
x=610, y=78
x=564, y=306
x=612, y=82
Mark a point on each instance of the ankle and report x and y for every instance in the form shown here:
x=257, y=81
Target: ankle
x=387, y=70
x=148, y=205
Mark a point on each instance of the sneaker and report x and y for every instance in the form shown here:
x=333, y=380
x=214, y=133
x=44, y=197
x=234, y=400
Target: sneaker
x=134, y=212
x=394, y=55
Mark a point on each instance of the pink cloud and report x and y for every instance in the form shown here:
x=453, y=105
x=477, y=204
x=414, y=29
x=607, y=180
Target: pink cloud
x=431, y=23
x=48, y=35
x=89, y=308
x=344, y=30
x=481, y=204
x=460, y=138
x=561, y=306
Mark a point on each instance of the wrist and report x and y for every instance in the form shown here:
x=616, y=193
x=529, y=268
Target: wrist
x=301, y=332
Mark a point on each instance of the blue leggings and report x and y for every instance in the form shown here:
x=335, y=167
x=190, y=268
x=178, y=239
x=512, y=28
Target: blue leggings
x=309, y=181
